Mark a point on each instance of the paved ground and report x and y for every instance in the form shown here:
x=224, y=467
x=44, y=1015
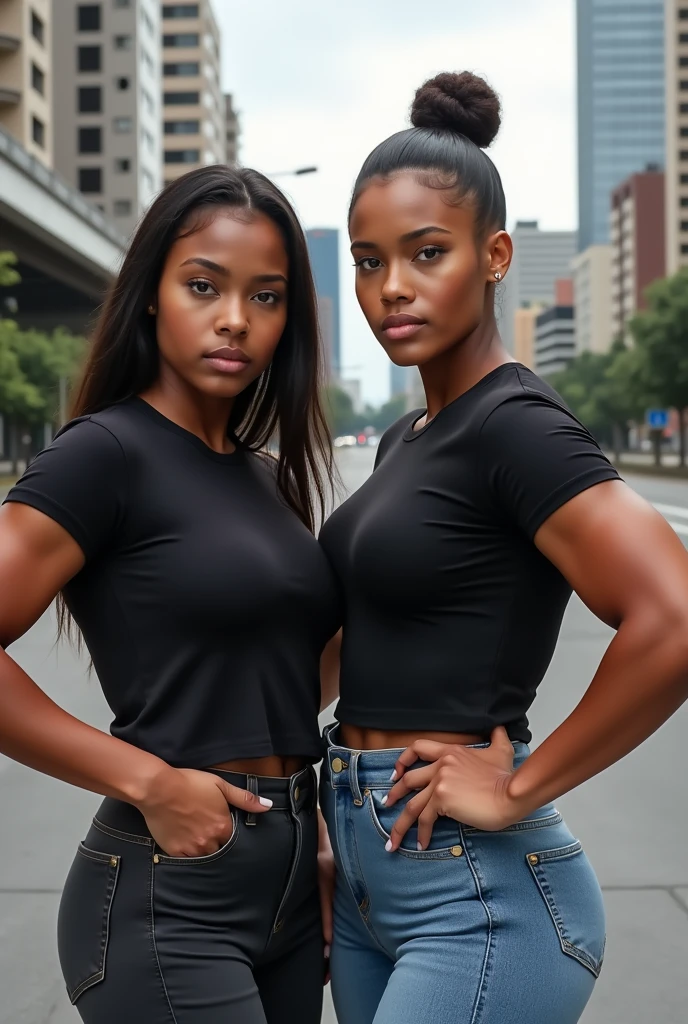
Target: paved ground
x=632, y=821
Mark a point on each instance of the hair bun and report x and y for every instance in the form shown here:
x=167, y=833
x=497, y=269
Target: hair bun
x=463, y=103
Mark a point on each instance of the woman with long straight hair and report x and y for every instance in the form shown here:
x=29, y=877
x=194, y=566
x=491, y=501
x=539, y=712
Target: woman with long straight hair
x=462, y=896
x=186, y=558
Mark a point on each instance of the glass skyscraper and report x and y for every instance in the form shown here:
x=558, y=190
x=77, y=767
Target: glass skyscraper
x=620, y=103
x=323, y=246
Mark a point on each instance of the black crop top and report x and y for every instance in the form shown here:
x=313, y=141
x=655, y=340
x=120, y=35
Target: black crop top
x=451, y=612
x=204, y=602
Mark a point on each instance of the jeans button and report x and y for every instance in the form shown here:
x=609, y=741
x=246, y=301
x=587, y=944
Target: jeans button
x=456, y=851
x=337, y=765
x=297, y=794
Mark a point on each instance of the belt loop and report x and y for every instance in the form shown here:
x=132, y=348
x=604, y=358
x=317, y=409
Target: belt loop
x=252, y=787
x=353, y=778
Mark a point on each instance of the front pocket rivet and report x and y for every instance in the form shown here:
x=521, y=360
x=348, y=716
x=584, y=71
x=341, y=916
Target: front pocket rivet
x=156, y=859
x=337, y=765
x=456, y=851
x=533, y=858
x=113, y=862
x=297, y=793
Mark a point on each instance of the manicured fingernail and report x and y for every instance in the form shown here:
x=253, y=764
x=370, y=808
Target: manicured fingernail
x=419, y=846
x=384, y=799
x=388, y=846
x=327, y=952
x=393, y=776
x=265, y=802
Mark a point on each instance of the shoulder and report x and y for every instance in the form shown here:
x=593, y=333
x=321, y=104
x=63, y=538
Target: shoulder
x=521, y=406
x=394, y=434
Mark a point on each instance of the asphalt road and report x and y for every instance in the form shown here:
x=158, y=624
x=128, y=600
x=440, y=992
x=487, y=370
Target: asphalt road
x=632, y=821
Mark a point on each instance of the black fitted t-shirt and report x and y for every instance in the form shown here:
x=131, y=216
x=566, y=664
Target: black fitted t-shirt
x=204, y=602
x=451, y=613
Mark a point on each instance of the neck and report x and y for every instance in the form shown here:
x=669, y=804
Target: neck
x=203, y=415
x=453, y=373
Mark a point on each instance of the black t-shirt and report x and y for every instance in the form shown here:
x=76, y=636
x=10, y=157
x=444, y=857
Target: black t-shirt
x=204, y=602
x=451, y=612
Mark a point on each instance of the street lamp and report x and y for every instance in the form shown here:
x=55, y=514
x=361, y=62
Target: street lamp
x=299, y=171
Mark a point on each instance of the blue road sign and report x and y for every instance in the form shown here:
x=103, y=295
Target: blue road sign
x=657, y=419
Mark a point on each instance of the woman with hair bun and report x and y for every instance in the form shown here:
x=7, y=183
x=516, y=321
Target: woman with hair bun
x=461, y=894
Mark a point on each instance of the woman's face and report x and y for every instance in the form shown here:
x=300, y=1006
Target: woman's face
x=222, y=302
x=420, y=273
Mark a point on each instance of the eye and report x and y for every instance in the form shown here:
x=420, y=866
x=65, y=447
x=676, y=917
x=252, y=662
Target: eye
x=368, y=263
x=429, y=253
x=266, y=298
x=199, y=286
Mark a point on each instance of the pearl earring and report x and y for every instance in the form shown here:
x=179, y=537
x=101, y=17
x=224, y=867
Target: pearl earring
x=498, y=276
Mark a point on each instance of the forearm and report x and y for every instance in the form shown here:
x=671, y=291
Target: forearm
x=641, y=681
x=39, y=734
x=329, y=671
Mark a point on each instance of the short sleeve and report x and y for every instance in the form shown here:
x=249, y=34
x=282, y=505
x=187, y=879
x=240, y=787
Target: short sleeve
x=536, y=456
x=79, y=481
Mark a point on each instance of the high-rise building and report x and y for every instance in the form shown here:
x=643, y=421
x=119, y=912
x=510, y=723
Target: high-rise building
x=323, y=246
x=592, y=298
x=107, y=110
x=232, y=131
x=555, y=338
x=676, y=29
x=620, y=102
x=26, y=75
x=638, y=247
x=194, y=129
x=525, y=323
x=540, y=257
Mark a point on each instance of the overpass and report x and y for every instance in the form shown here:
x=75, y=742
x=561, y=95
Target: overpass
x=67, y=250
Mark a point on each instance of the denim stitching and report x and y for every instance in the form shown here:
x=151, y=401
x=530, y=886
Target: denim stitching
x=154, y=946
x=365, y=902
x=519, y=826
x=209, y=857
x=443, y=854
x=113, y=876
x=482, y=985
x=126, y=837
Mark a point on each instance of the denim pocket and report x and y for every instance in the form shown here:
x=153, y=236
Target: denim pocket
x=208, y=858
x=572, y=894
x=83, y=926
x=446, y=835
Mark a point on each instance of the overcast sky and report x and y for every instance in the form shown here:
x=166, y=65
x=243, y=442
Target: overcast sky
x=320, y=82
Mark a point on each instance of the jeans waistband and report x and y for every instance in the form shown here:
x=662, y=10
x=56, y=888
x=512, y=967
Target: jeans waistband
x=371, y=769
x=295, y=794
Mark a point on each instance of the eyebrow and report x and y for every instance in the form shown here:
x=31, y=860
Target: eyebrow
x=409, y=237
x=201, y=261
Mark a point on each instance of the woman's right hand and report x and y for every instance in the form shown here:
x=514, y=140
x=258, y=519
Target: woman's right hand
x=188, y=813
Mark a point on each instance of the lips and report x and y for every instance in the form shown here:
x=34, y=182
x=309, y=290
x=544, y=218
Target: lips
x=227, y=359
x=398, y=326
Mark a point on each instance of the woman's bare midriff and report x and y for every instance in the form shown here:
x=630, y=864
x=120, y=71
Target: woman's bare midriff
x=355, y=738
x=273, y=767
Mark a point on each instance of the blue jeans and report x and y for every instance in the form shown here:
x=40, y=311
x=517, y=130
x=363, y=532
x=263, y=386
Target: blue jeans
x=481, y=928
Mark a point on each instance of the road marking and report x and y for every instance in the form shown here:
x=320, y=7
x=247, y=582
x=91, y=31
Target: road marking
x=672, y=510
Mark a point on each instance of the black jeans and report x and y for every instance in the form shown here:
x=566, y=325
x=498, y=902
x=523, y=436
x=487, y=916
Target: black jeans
x=230, y=938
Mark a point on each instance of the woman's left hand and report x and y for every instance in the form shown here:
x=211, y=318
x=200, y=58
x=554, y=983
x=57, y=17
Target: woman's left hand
x=465, y=783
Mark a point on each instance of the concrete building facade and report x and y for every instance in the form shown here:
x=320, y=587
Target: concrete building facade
x=621, y=100
x=638, y=245
x=676, y=43
x=107, y=107
x=194, y=107
x=26, y=78
x=323, y=246
x=540, y=258
x=555, y=332
x=591, y=271
x=525, y=322
x=232, y=131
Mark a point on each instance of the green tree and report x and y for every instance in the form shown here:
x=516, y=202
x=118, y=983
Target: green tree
x=8, y=275
x=339, y=411
x=661, y=336
x=388, y=413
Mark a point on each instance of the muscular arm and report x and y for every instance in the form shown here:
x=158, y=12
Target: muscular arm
x=631, y=570
x=37, y=558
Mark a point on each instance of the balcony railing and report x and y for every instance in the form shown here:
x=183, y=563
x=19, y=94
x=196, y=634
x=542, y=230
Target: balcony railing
x=9, y=43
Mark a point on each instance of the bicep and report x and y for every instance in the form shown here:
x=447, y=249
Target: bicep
x=617, y=553
x=37, y=558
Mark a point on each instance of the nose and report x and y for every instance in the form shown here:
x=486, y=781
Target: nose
x=396, y=286
x=232, y=318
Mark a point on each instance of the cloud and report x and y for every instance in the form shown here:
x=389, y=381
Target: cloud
x=322, y=84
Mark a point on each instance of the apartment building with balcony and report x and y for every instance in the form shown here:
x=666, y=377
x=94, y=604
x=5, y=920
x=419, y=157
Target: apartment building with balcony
x=26, y=75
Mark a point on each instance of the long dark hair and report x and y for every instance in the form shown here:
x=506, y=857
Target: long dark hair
x=454, y=116
x=284, y=402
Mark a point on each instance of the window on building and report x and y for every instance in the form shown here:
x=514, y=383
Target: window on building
x=182, y=69
x=683, y=38
x=683, y=178
x=90, y=100
x=123, y=42
x=88, y=18
x=683, y=132
x=683, y=85
x=684, y=250
x=90, y=179
x=123, y=165
x=90, y=140
x=181, y=99
x=684, y=201
x=122, y=207
x=684, y=225
x=683, y=13
x=37, y=28
x=181, y=39
x=123, y=83
x=683, y=155
x=122, y=125
x=38, y=132
x=37, y=79
x=180, y=10
x=182, y=156
x=683, y=108
x=683, y=62
x=182, y=127
x=89, y=58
